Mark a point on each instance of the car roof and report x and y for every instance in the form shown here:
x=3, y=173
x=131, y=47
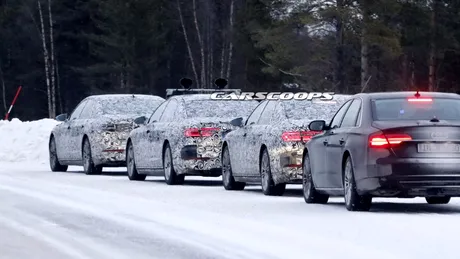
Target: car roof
x=402, y=94
x=108, y=96
x=192, y=97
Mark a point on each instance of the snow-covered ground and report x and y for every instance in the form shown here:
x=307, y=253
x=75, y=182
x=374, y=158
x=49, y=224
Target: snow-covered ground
x=72, y=215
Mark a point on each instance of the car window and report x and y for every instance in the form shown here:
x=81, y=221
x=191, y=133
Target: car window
x=310, y=110
x=422, y=109
x=351, y=117
x=125, y=105
x=267, y=114
x=77, y=111
x=207, y=108
x=156, y=115
x=87, y=110
x=170, y=111
x=255, y=115
x=337, y=120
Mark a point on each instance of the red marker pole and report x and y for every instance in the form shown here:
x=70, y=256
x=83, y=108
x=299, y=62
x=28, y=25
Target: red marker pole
x=12, y=104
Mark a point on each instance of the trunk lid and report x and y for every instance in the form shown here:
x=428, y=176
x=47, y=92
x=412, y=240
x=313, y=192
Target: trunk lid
x=422, y=139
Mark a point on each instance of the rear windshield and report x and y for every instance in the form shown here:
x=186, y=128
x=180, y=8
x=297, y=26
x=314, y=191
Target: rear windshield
x=308, y=110
x=140, y=106
x=219, y=108
x=403, y=109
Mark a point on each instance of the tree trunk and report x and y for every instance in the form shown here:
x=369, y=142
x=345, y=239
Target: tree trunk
x=230, y=47
x=222, y=60
x=339, y=70
x=432, y=58
x=203, y=82
x=46, y=58
x=58, y=88
x=364, y=47
x=187, y=42
x=53, y=69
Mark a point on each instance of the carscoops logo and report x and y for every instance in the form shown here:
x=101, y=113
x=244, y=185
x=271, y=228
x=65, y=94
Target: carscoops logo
x=272, y=96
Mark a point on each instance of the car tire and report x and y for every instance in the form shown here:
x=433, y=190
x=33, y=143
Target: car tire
x=88, y=165
x=171, y=177
x=268, y=185
x=310, y=194
x=227, y=175
x=133, y=175
x=55, y=165
x=353, y=201
x=437, y=200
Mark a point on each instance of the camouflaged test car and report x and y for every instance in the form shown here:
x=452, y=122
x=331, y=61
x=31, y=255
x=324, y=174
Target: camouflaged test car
x=268, y=148
x=95, y=134
x=183, y=137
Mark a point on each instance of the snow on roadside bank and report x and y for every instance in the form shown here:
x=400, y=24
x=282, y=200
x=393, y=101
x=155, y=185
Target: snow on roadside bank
x=25, y=141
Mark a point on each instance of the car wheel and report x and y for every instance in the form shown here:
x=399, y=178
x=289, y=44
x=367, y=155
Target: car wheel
x=268, y=185
x=310, y=194
x=171, y=177
x=88, y=165
x=133, y=175
x=54, y=161
x=227, y=175
x=437, y=200
x=354, y=201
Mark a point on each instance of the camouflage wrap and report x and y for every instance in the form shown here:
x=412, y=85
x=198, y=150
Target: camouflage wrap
x=101, y=121
x=183, y=112
x=247, y=143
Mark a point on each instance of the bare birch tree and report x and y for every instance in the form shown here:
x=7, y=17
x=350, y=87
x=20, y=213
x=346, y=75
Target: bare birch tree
x=432, y=57
x=187, y=42
x=52, y=68
x=364, y=45
x=230, y=47
x=2, y=79
x=203, y=82
x=51, y=111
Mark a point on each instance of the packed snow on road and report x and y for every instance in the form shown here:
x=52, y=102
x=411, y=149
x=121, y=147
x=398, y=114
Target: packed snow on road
x=72, y=215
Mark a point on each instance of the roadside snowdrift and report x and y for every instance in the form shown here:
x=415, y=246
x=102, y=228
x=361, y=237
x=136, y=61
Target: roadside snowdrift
x=25, y=141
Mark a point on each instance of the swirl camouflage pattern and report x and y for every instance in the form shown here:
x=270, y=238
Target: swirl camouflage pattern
x=95, y=134
x=183, y=137
x=268, y=148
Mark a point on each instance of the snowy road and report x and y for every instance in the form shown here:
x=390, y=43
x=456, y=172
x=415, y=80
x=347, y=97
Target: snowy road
x=71, y=215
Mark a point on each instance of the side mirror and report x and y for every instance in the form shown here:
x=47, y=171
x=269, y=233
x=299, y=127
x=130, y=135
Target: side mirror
x=140, y=120
x=318, y=125
x=62, y=117
x=238, y=122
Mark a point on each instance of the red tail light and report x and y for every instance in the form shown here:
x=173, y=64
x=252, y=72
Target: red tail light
x=380, y=140
x=295, y=136
x=200, y=132
x=420, y=100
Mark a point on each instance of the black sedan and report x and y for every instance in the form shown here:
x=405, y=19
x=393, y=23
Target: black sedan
x=401, y=144
x=268, y=149
x=183, y=137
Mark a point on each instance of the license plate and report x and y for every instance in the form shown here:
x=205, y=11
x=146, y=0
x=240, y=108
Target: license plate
x=438, y=148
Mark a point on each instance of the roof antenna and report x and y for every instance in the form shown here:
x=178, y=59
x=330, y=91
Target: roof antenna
x=417, y=94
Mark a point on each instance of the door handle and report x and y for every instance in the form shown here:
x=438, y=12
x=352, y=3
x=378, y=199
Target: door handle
x=342, y=141
x=325, y=142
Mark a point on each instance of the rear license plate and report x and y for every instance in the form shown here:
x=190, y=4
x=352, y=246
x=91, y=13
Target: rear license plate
x=438, y=148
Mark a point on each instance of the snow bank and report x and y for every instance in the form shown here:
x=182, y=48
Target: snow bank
x=25, y=141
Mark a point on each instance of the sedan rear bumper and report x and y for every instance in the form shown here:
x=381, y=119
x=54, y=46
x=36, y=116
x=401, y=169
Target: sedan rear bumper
x=197, y=160
x=411, y=178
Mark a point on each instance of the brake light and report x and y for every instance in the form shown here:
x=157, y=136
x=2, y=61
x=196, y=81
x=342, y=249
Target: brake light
x=420, y=100
x=200, y=132
x=380, y=140
x=295, y=136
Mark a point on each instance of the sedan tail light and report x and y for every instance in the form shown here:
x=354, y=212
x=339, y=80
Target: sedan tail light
x=380, y=140
x=200, y=132
x=296, y=136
